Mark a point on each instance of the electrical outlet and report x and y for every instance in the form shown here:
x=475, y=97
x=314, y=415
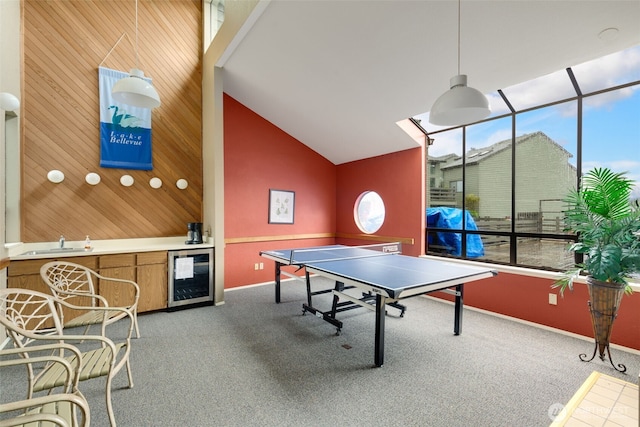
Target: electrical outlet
x=255, y=267
x=261, y=266
x=553, y=299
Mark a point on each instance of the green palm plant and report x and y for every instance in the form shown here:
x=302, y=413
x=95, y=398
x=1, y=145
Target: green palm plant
x=607, y=224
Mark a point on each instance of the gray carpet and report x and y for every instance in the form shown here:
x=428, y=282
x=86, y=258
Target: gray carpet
x=251, y=362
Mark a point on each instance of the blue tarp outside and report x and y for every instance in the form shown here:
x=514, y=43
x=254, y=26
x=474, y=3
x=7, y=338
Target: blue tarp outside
x=442, y=217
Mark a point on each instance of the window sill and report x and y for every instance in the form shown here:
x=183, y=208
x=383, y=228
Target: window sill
x=532, y=272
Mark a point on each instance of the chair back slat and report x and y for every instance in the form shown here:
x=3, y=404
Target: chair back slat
x=28, y=311
x=68, y=279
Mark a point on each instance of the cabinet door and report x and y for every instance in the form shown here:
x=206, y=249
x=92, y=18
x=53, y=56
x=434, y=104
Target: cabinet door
x=120, y=266
x=117, y=294
x=32, y=282
x=152, y=280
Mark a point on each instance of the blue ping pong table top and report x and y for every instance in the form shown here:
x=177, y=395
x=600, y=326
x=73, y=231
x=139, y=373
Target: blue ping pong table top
x=395, y=275
x=303, y=256
x=400, y=276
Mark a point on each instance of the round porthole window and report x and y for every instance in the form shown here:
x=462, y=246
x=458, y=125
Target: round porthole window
x=368, y=212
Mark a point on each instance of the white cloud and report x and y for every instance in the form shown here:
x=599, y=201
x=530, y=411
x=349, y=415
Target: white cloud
x=608, y=71
x=446, y=143
x=540, y=91
x=607, y=99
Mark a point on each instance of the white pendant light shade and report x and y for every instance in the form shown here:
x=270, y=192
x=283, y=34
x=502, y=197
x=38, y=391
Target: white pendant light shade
x=459, y=105
x=9, y=102
x=135, y=90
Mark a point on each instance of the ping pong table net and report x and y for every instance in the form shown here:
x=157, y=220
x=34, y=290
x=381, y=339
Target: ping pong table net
x=313, y=255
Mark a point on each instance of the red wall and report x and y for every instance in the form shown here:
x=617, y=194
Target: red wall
x=398, y=179
x=258, y=156
x=527, y=298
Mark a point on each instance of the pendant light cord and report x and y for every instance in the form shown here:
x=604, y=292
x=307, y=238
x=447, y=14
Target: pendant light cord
x=120, y=39
x=123, y=35
x=137, y=37
x=458, y=36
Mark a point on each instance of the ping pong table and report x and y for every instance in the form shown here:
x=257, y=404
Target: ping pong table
x=382, y=273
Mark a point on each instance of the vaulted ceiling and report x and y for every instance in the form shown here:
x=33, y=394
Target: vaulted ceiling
x=339, y=75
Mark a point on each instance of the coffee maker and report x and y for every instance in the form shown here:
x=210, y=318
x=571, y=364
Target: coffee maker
x=194, y=233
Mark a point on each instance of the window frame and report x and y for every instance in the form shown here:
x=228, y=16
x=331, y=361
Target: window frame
x=512, y=235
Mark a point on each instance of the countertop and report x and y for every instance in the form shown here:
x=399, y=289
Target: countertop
x=19, y=251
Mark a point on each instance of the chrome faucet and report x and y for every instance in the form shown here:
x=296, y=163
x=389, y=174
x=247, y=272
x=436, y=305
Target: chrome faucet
x=61, y=241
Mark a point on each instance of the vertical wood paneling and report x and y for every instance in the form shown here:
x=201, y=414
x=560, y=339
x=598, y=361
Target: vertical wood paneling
x=64, y=43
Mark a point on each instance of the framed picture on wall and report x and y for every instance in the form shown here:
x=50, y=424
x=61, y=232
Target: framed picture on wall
x=281, y=206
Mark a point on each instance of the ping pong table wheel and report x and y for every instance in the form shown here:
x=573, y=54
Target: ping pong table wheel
x=338, y=332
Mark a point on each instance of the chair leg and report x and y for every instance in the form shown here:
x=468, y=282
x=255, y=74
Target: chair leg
x=135, y=323
x=129, y=374
x=112, y=418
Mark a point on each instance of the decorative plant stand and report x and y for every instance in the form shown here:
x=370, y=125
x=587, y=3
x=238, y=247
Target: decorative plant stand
x=604, y=302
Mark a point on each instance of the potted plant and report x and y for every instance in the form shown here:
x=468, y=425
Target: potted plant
x=607, y=224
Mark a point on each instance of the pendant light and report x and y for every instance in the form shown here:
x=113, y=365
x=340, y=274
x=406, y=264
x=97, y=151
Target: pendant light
x=135, y=90
x=461, y=104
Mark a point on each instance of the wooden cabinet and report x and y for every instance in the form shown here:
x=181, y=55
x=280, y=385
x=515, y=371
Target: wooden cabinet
x=120, y=266
x=26, y=274
x=148, y=269
x=152, y=278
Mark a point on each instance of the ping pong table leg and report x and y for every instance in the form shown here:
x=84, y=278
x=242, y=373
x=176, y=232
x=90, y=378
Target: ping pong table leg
x=379, y=342
x=457, y=323
x=308, y=282
x=278, y=266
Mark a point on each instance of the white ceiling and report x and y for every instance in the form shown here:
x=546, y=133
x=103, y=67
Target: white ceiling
x=338, y=75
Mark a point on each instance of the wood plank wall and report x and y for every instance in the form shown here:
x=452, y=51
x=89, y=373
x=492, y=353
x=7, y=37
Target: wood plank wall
x=64, y=42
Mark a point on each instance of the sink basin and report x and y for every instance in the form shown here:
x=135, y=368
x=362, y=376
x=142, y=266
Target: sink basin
x=55, y=251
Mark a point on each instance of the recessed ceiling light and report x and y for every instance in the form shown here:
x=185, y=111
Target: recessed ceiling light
x=608, y=34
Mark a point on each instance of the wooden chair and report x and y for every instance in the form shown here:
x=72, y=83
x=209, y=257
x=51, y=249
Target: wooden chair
x=59, y=409
x=71, y=282
x=31, y=318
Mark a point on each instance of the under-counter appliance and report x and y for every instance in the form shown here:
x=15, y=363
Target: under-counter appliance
x=191, y=277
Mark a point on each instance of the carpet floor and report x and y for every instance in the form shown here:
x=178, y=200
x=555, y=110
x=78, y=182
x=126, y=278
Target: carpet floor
x=252, y=362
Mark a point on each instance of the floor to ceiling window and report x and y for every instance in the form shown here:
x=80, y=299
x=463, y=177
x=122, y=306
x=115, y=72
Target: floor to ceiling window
x=496, y=188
